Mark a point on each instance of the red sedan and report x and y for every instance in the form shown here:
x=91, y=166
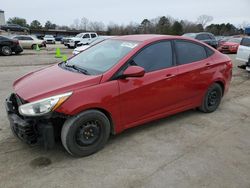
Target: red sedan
x=230, y=46
x=115, y=85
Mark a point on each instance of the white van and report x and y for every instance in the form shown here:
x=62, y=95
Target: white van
x=243, y=53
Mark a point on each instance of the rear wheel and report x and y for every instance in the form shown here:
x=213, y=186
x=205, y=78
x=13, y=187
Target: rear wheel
x=212, y=99
x=86, y=133
x=6, y=50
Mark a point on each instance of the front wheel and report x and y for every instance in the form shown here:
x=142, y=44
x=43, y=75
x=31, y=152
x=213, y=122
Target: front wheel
x=212, y=99
x=86, y=133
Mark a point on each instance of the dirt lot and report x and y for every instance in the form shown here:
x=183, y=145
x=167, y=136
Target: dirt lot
x=190, y=149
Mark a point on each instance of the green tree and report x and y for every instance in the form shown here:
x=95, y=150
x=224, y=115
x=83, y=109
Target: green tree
x=145, y=26
x=35, y=24
x=177, y=28
x=49, y=25
x=19, y=21
x=163, y=26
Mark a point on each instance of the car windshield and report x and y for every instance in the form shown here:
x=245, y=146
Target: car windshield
x=101, y=57
x=235, y=40
x=191, y=35
x=79, y=35
x=48, y=36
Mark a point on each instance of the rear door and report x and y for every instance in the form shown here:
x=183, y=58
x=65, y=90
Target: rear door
x=195, y=71
x=27, y=41
x=155, y=92
x=243, y=53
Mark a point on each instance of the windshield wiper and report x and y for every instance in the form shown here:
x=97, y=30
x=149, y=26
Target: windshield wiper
x=79, y=69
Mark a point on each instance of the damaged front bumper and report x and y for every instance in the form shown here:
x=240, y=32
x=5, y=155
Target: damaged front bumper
x=31, y=130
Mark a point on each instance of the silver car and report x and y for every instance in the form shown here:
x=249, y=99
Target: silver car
x=243, y=53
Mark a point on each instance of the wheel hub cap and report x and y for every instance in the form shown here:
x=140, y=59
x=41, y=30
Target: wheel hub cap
x=212, y=98
x=88, y=133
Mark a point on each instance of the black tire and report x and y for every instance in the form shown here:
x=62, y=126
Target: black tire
x=85, y=133
x=6, y=50
x=33, y=47
x=212, y=99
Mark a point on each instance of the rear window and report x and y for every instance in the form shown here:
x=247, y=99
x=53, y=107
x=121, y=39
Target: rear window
x=245, y=42
x=188, y=52
x=203, y=37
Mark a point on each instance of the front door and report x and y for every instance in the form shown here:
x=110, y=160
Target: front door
x=154, y=93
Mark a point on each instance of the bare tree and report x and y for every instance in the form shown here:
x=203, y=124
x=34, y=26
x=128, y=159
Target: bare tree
x=84, y=24
x=75, y=25
x=204, y=20
x=244, y=24
x=97, y=26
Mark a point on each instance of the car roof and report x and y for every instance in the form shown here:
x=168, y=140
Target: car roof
x=146, y=37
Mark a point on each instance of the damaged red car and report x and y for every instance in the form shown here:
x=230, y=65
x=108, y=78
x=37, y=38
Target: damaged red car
x=230, y=46
x=114, y=85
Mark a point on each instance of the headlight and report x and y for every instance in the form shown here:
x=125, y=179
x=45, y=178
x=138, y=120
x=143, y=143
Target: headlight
x=43, y=106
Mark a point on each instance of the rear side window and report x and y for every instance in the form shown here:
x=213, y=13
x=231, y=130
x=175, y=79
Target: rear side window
x=245, y=42
x=209, y=52
x=93, y=35
x=188, y=52
x=155, y=57
x=27, y=38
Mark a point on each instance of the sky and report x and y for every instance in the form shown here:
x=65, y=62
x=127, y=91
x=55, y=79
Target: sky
x=64, y=12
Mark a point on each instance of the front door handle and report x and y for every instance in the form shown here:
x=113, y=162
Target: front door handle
x=170, y=76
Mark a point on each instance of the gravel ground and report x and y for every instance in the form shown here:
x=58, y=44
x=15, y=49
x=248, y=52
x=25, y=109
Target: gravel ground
x=190, y=149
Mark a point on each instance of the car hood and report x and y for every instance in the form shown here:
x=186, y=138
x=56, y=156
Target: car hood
x=81, y=48
x=51, y=81
x=230, y=44
x=75, y=38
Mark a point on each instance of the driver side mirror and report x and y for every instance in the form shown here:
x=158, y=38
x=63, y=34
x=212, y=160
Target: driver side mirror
x=134, y=71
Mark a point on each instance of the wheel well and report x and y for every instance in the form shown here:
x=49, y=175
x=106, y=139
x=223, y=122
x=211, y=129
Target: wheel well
x=106, y=113
x=221, y=85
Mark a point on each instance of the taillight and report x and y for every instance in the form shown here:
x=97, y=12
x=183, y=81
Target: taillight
x=16, y=42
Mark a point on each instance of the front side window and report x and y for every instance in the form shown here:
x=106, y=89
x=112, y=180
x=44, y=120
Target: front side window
x=86, y=36
x=188, y=52
x=102, y=56
x=155, y=57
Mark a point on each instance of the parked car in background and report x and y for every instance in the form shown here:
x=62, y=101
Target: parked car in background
x=243, y=53
x=29, y=41
x=205, y=37
x=85, y=38
x=65, y=40
x=230, y=45
x=8, y=46
x=81, y=47
x=14, y=27
x=49, y=39
x=115, y=85
x=59, y=38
